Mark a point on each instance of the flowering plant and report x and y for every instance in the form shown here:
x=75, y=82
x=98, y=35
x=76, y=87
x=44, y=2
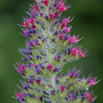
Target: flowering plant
x=48, y=48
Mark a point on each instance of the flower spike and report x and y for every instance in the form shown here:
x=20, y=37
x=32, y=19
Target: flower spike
x=49, y=47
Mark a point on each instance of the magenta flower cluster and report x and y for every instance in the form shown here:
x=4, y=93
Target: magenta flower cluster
x=48, y=48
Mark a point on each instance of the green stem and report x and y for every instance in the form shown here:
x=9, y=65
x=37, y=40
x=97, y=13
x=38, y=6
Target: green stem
x=53, y=82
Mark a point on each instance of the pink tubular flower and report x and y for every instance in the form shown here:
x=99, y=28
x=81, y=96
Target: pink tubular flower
x=81, y=54
x=31, y=20
x=66, y=21
x=51, y=16
x=19, y=94
x=60, y=3
x=73, y=39
x=66, y=29
x=33, y=27
x=36, y=0
x=49, y=67
x=63, y=25
x=45, y=2
x=90, y=96
x=25, y=24
x=31, y=43
x=55, y=77
x=61, y=7
x=61, y=36
x=20, y=67
x=62, y=87
x=91, y=99
x=92, y=81
x=32, y=65
x=36, y=7
x=55, y=14
x=87, y=95
x=38, y=80
x=75, y=51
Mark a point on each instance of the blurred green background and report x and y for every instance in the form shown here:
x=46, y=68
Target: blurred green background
x=88, y=23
